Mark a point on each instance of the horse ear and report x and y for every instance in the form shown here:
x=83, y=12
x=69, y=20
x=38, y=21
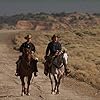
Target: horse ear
x=64, y=49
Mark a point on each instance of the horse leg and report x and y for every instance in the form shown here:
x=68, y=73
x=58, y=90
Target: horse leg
x=23, y=86
x=58, y=84
x=52, y=83
x=28, y=84
x=56, y=81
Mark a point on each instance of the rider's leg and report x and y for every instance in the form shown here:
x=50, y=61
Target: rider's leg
x=67, y=71
x=36, y=69
x=46, y=68
x=47, y=64
x=34, y=64
x=17, y=66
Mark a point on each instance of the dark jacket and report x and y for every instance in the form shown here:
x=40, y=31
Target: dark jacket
x=27, y=45
x=53, y=47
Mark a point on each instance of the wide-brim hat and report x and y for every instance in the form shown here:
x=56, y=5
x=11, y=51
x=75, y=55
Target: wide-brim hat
x=54, y=36
x=28, y=37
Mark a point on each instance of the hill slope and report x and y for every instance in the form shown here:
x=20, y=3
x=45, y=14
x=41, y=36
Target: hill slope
x=10, y=86
x=83, y=51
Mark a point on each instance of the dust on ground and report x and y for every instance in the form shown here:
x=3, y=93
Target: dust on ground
x=40, y=89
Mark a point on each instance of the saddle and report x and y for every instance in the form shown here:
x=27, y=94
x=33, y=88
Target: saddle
x=58, y=61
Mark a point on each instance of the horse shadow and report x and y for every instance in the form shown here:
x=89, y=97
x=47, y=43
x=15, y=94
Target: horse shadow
x=8, y=96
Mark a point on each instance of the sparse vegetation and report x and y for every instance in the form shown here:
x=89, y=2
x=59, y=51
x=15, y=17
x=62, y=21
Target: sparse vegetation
x=57, y=21
x=84, y=55
x=79, y=33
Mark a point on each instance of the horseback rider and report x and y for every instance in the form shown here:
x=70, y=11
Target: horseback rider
x=28, y=44
x=53, y=47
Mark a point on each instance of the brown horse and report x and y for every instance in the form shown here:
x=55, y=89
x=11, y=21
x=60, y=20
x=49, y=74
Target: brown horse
x=26, y=66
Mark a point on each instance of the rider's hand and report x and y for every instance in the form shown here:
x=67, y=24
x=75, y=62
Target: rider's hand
x=32, y=52
x=57, y=52
x=45, y=57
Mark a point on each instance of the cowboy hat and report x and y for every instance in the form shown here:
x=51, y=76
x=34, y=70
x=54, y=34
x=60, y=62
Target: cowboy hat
x=28, y=37
x=54, y=36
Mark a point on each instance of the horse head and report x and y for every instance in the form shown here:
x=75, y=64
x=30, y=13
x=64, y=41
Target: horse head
x=58, y=59
x=27, y=54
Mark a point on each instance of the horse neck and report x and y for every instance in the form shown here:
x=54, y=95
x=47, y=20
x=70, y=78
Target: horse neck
x=60, y=57
x=27, y=56
x=65, y=55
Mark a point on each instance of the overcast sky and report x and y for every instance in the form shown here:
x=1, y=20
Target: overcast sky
x=11, y=7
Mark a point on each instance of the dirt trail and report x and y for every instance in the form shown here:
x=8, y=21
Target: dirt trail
x=10, y=85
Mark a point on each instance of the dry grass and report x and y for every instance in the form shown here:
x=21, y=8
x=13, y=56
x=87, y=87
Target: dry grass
x=83, y=50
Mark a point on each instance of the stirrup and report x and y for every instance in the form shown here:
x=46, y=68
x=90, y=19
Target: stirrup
x=35, y=74
x=67, y=72
x=17, y=74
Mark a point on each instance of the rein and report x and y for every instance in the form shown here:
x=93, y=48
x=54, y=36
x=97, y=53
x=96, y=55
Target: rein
x=27, y=55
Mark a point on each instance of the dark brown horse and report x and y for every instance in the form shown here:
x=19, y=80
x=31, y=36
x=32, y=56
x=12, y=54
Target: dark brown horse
x=26, y=66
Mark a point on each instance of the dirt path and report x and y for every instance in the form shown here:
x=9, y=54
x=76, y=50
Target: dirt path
x=10, y=85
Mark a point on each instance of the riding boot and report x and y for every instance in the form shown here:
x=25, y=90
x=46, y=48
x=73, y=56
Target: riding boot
x=67, y=71
x=35, y=69
x=46, y=68
x=17, y=70
x=17, y=66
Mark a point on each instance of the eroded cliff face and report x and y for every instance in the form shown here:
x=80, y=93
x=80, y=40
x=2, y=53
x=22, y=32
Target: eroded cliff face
x=54, y=22
x=24, y=25
x=42, y=21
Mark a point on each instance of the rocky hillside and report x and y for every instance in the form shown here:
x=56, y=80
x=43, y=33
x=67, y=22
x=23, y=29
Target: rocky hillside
x=83, y=50
x=79, y=33
x=44, y=21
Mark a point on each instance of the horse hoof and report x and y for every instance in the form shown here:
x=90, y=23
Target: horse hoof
x=22, y=94
x=28, y=94
x=53, y=93
x=57, y=92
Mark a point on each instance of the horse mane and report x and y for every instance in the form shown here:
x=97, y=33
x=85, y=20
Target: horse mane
x=58, y=60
